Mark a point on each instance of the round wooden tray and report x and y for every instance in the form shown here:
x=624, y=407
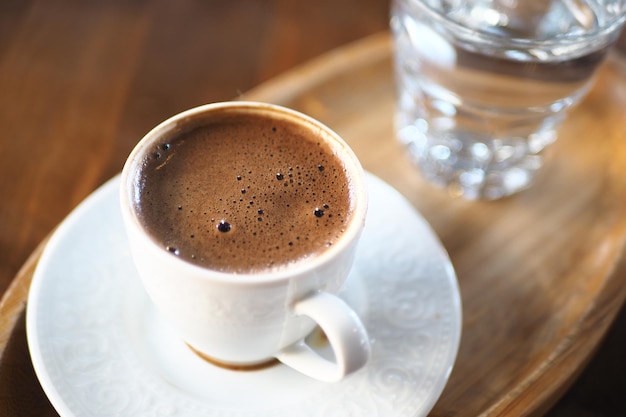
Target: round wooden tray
x=541, y=273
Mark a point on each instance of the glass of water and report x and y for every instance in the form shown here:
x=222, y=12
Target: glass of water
x=484, y=84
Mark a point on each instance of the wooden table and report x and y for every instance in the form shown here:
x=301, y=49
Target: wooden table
x=81, y=82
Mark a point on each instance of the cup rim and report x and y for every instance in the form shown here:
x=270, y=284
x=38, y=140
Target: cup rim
x=351, y=163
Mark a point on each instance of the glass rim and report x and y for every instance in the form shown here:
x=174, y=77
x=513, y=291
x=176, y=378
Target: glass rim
x=458, y=30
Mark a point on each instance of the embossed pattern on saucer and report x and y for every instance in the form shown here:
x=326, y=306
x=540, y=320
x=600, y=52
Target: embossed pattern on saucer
x=100, y=349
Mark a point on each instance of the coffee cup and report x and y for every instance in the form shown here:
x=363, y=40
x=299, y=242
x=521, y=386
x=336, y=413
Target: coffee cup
x=243, y=220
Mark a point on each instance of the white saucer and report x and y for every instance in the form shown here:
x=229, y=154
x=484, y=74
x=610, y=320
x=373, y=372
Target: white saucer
x=99, y=348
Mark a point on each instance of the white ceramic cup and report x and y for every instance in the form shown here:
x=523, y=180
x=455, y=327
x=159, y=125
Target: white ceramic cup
x=242, y=320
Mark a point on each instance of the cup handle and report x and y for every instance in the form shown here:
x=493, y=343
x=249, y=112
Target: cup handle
x=346, y=335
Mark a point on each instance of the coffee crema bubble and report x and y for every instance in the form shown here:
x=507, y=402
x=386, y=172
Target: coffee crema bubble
x=244, y=194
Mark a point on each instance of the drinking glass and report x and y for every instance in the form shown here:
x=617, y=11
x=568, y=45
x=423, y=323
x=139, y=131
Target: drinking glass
x=483, y=85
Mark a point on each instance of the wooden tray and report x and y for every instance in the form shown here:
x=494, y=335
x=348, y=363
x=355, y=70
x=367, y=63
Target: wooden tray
x=541, y=273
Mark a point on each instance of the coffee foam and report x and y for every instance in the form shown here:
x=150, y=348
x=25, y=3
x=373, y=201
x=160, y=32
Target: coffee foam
x=244, y=194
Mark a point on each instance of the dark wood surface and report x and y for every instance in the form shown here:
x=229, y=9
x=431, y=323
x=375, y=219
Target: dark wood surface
x=81, y=82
